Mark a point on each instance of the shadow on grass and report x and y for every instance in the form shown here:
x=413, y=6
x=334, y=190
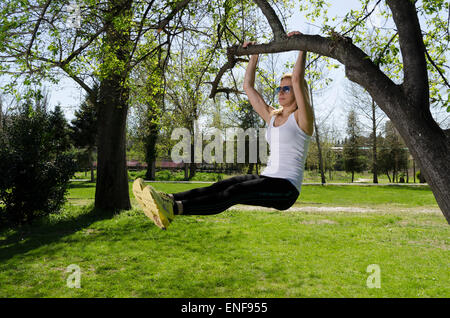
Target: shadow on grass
x=44, y=232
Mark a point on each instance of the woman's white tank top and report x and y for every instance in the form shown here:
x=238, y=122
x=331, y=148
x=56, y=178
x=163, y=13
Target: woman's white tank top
x=288, y=146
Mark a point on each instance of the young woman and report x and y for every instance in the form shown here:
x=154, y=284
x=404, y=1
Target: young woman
x=289, y=131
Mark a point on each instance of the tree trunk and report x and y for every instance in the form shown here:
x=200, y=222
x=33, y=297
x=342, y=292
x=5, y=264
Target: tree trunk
x=186, y=171
x=407, y=174
x=192, y=165
x=112, y=192
x=91, y=163
x=112, y=176
x=1, y=116
x=151, y=170
x=374, y=145
x=319, y=148
x=150, y=154
x=430, y=147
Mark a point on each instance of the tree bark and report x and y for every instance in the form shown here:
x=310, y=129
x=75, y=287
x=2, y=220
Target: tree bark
x=112, y=191
x=150, y=151
x=430, y=147
x=91, y=163
x=319, y=148
x=112, y=176
x=1, y=115
x=374, y=145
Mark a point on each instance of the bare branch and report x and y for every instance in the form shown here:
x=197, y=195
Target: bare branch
x=274, y=22
x=364, y=18
x=377, y=60
x=36, y=28
x=180, y=5
x=80, y=82
x=148, y=54
x=82, y=47
x=140, y=27
x=437, y=68
x=232, y=61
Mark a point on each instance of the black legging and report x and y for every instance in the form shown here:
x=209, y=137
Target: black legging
x=250, y=189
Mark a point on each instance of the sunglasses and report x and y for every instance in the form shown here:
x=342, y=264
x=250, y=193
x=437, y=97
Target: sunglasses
x=285, y=89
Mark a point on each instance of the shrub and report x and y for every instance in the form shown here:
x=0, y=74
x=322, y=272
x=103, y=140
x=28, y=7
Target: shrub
x=421, y=177
x=164, y=175
x=35, y=166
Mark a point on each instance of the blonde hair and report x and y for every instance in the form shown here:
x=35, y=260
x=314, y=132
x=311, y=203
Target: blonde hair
x=279, y=110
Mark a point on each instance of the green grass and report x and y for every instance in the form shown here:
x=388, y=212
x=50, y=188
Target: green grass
x=400, y=196
x=236, y=253
x=310, y=176
x=329, y=195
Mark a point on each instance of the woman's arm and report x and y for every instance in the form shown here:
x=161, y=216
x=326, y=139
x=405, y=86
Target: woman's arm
x=255, y=99
x=305, y=117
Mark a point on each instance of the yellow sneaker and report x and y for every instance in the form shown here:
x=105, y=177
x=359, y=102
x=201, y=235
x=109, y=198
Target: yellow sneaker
x=145, y=199
x=164, y=206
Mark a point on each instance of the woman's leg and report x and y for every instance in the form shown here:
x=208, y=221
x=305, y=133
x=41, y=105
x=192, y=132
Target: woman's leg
x=216, y=187
x=264, y=191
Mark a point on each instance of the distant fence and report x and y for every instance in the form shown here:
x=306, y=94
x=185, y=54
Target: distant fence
x=135, y=165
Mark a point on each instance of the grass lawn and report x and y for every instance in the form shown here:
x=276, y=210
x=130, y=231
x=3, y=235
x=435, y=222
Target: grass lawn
x=237, y=253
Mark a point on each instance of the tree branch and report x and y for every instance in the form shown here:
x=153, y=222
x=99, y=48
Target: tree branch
x=359, y=67
x=413, y=50
x=232, y=61
x=82, y=47
x=437, y=68
x=274, y=22
x=180, y=5
x=143, y=57
x=89, y=90
x=36, y=28
x=141, y=25
x=364, y=18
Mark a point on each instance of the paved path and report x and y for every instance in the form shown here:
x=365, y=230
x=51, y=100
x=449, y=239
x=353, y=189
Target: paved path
x=326, y=209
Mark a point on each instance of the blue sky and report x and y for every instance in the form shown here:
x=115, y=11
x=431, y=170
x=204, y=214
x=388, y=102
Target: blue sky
x=69, y=94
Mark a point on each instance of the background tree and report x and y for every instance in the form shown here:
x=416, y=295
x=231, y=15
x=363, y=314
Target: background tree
x=185, y=95
x=84, y=127
x=353, y=158
x=361, y=101
x=59, y=128
x=248, y=118
x=107, y=44
x=393, y=153
x=318, y=80
x=148, y=103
